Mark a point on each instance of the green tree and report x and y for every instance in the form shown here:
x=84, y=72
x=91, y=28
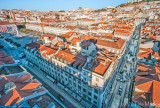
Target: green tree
x=57, y=16
x=2, y=37
x=62, y=11
x=1, y=46
x=18, y=45
x=8, y=17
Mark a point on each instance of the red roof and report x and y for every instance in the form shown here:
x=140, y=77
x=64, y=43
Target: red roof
x=42, y=48
x=112, y=44
x=50, y=51
x=10, y=98
x=85, y=37
x=99, y=65
x=22, y=89
x=121, y=31
x=48, y=20
x=5, y=23
x=6, y=59
x=64, y=35
x=74, y=41
x=145, y=86
x=156, y=93
x=65, y=56
x=30, y=86
x=71, y=27
x=3, y=81
x=149, y=84
x=157, y=69
x=108, y=34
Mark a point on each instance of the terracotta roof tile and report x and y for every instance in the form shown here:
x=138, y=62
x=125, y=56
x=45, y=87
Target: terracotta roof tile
x=74, y=41
x=30, y=86
x=156, y=93
x=6, y=59
x=122, y=31
x=42, y=48
x=3, y=81
x=23, y=78
x=112, y=44
x=50, y=51
x=157, y=69
x=145, y=86
x=5, y=23
x=65, y=35
x=85, y=37
x=65, y=56
x=10, y=98
x=48, y=20
x=99, y=65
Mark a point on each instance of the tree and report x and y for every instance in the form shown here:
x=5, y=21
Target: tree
x=8, y=17
x=18, y=45
x=2, y=37
x=62, y=11
x=57, y=16
x=1, y=46
x=100, y=10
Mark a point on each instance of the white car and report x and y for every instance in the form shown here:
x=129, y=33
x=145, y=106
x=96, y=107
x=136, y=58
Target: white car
x=120, y=88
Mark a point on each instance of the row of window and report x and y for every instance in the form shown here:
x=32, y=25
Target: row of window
x=66, y=78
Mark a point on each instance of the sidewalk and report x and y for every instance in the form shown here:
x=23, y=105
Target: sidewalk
x=38, y=73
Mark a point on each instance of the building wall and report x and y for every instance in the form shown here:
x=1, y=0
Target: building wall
x=66, y=75
x=46, y=29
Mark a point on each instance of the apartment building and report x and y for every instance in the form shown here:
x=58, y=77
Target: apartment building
x=45, y=28
x=108, y=43
x=7, y=27
x=85, y=72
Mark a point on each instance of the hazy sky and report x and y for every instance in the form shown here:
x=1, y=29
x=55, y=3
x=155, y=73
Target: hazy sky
x=48, y=5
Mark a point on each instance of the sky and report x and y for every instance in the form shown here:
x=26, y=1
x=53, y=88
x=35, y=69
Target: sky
x=56, y=5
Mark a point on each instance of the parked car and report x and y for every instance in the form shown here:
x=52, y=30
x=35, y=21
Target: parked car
x=119, y=92
x=120, y=88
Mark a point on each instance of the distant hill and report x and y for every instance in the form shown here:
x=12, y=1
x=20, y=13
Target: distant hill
x=134, y=3
x=109, y=7
x=85, y=9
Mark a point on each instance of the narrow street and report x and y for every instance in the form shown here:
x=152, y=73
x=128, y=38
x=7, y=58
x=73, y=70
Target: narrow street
x=121, y=90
